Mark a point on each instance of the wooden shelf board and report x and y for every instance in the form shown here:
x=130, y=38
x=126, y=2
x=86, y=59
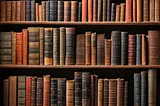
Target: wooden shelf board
x=75, y=23
x=81, y=66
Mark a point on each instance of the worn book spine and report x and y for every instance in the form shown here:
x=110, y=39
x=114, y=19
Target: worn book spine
x=90, y=10
x=13, y=11
x=88, y=48
x=56, y=47
x=93, y=49
x=95, y=9
x=8, y=10
x=138, y=49
x=47, y=11
x=74, y=11
x=3, y=11
x=92, y=90
x=41, y=35
x=33, y=91
x=18, y=11
x=104, y=10
x=99, y=14
x=144, y=51
x=122, y=12
x=109, y=10
x=53, y=10
x=61, y=91
x=78, y=88
x=79, y=11
x=39, y=92
x=107, y=52
x=100, y=49
x=67, y=10
x=157, y=9
x=5, y=92
x=128, y=13
x=28, y=10
x=100, y=92
x=113, y=12
x=116, y=48
x=13, y=90
x=40, y=12
x=70, y=93
x=145, y=10
x=118, y=9
x=137, y=89
x=46, y=90
x=33, y=11
x=21, y=91
x=139, y=10
x=131, y=49
x=152, y=87
x=25, y=46
x=125, y=93
x=70, y=46
x=43, y=3
x=19, y=46
x=28, y=90
x=62, y=45
x=54, y=92
x=60, y=11
x=120, y=92
x=37, y=11
x=86, y=89
x=84, y=10
x=80, y=49
x=152, y=10
x=48, y=46
x=135, y=12
x=23, y=12
x=13, y=48
x=96, y=90
x=105, y=92
x=124, y=48
x=112, y=101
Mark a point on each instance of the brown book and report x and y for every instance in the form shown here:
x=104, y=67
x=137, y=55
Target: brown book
x=23, y=13
x=46, y=90
x=25, y=46
x=88, y=48
x=13, y=47
x=100, y=92
x=157, y=10
x=90, y=10
x=152, y=10
x=28, y=90
x=92, y=90
x=70, y=93
x=112, y=92
x=105, y=92
x=33, y=91
x=128, y=9
x=84, y=10
x=74, y=11
x=9, y=10
x=122, y=12
x=99, y=14
x=62, y=45
x=13, y=10
x=95, y=9
x=118, y=9
x=3, y=10
x=144, y=52
x=93, y=49
x=5, y=92
x=107, y=52
x=18, y=11
x=41, y=34
x=139, y=10
x=135, y=12
x=67, y=10
x=39, y=92
x=126, y=93
x=120, y=92
x=104, y=10
x=19, y=48
x=37, y=11
x=12, y=90
x=145, y=10
x=40, y=12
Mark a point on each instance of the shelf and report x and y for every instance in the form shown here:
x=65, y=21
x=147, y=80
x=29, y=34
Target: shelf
x=82, y=66
x=77, y=23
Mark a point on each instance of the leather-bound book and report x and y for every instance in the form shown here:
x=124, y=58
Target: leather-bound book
x=43, y=10
x=88, y=48
x=3, y=11
x=100, y=92
x=13, y=91
x=54, y=92
x=157, y=9
x=70, y=93
x=80, y=49
x=28, y=10
x=154, y=47
x=53, y=5
x=137, y=89
x=25, y=46
x=144, y=88
x=135, y=12
x=61, y=91
x=62, y=45
x=40, y=12
x=13, y=10
x=112, y=101
x=139, y=10
x=118, y=9
x=28, y=90
x=84, y=10
x=39, y=92
x=152, y=87
x=74, y=11
x=125, y=93
x=60, y=11
x=21, y=91
x=128, y=13
x=109, y=10
x=100, y=49
x=48, y=46
x=41, y=35
x=67, y=10
x=105, y=91
x=13, y=48
x=70, y=46
x=120, y=92
x=116, y=47
x=99, y=14
x=86, y=89
x=92, y=90
x=107, y=52
x=124, y=48
x=95, y=9
x=145, y=10
x=56, y=46
x=95, y=90
x=122, y=12
x=8, y=10
x=33, y=91
x=47, y=10
x=23, y=10
x=34, y=46
x=46, y=90
x=93, y=48
x=90, y=10
x=18, y=11
x=113, y=12
x=104, y=10
x=131, y=49
x=34, y=10
x=144, y=51
x=79, y=11
x=152, y=10
x=78, y=88
x=138, y=49
x=19, y=46
x=5, y=92
x=37, y=11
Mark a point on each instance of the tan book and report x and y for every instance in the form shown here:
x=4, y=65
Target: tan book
x=13, y=10
x=40, y=12
x=88, y=48
x=120, y=92
x=152, y=10
x=9, y=10
x=144, y=52
x=122, y=12
x=145, y=10
x=139, y=11
x=112, y=92
x=46, y=90
x=100, y=92
x=70, y=93
x=118, y=9
x=157, y=10
x=41, y=45
x=18, y=11
x=94, y=49
x=37, y=11
x=14, y=48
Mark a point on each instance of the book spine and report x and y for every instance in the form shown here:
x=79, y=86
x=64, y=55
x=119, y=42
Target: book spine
x=43, y=10
x=78, y=88
x=46, y=90
x=112, y=92
x=54, y=92
x=122, y=12
x=137, y=89
x=61, y=92
x=144, y=52
x=99, y=16
x=152, y=10
x=5, y=92
x=118, y=9
x=53, y=10
x=84, y=10
x=70, y=93
x=100, y=92
x=14, y=48
x=88, y=48
x=135, y=12
x=23, y=8
x=67, y=10
x=18, y=11
x=86, y=89
x=33, y=91
x=145, y=10
x=79, y=11
x=157, y=9
x=40, y=13
x=13, y=11
x=28, y=90
x=62, y=45
x=95, y=9
x=47, y=11
x=138, y=49
x=8, y=10
x=108, y=10
x=105, y=92
x=28, y=10
x=120, y=92
x=96, y=90
x=41, y=32
x=125, y=93
x=104, y=10
x=19, y=46
x=3, y=11
x=37, y=11
x=74, y=12
x=25, y=46
x=60, y=10
x=128, y=14
x=92, y=90
x=90, y=10
x=107, y=52
x=124, y=48
x=113, y=12
x=39, y=92
x=139, y=11
x=33, y=11
x=93, y=49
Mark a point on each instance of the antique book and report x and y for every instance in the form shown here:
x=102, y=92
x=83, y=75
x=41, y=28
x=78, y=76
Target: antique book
x=125, y=93
x=46, y=90
x=144, y=51
x=62, y=45
x=70, y=46
x=100, y=92
x=113, y=11
x=37, y=11
x=100, y=49
x=118, y=9
x=90, y=10
x=107, y=52
x=34, y=11
x=61, y=91
x=157, y=9
x=88, y=48
x=47, y=10
x=13, y=13
x=124, y=48
x=67, y=10
x=93, y=48
x=48, y=46
x=135, y=8
x=40, y=12
x=122, y=12
x=23, y=11
x=70, y=93
x=104, y=10
x=128, y=13
x=54, y=91
x=137, y=89
x=109, y=10
x=79, y=11
x=8, y=10
x=92, y=90
x=5, y=92
x=39, y=92
x=99, y=14
x=112, y=101
x=33, y=91
x=19, y=46
x=28, y=10
x=13, y=48
x=28, y=90
x=105, y=91
x=96, y=90
x=41, y=35
x=43, y=3
x=152, y=10
x=95, y=9
x=18, y=11
x=74, y=11
x=3, y=10
x=60, y=11
x=138, y=49
x=120, y=92
x=80, y=49
x=78, y=88
x=84, y=10
x=25, y=46
x=146, y=10
x=139, y=10
x=53, y=5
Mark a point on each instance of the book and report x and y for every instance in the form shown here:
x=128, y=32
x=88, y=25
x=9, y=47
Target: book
x=47, y=11
x=135, y=10
x=28, y=10
x=99, y=14
x=100, y=92
x=109, y=10
x=128, y=13
x=104, y=10
x=105, y=92
x=90, y=10
x=144, y=51
x=125, y=93
x=3, y=10
x=84, y=10
x=122, y=12
x=61, y=91
x=33, y=91
x=67, y=10
x=145, y=10
x=34, y=11
x=137, y=89
x=5, y=92
x=139, y=11
x=41, y=35
x=13, y=48
x=8, y=10
x=46, y=90
x=120, y=92
x=18, y=11
x=107, y=52
x=43, y=3
x=112, y=101
x=40, y=13
x=25, y=46
x=39, y=92
x=113, y=12
x=60, y=11
x=62, y=45
x=28, y=90
x=93, y=48
x=54, y=91
x=88, y=48
x=124, y=48
x=138, y=49
x=74, y=11
x=157, y=9
x=96, y=90
x=13, y=13
x=23, y=12
x=152, y=10
x=79, y=11
x=92, y=90
x=70, y=93
x=95, y=9
x=53, y=10
x=19, y=48
x=118, y=9
x=37, y=11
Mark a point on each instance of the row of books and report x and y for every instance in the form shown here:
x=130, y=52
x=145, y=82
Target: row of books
x=61, y=46
x=87, y=10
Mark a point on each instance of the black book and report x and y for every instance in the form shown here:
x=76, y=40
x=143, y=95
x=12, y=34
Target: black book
x=39, y=92
x=96, y=90
x=139, y=50
x=33, y=11
x=124, y=48
x=54, y=92
x=137, y=89
x=113, y=12
x=79, y=11
x=33, y=91
x=108, y=10
x=53, y=10
x=61, y=91
x=28, y=10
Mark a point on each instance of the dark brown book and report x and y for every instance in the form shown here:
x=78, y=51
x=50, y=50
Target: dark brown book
x=100, y=92
x=95, y=9
x=145, y=10
x=93, y=48
x=128, y=9
x=122, y=12
x=118, y=9
x=99, y=15
x=144, y=51
x=39, y=92
x=18, y=11
x=152, y=10
x=54, y=92
x=5, y=92
x=3, y=7
x=33, y=91
x=120, y=92
x=23, y=12
x=84, y=10
x=62, y=45
x=125, y=93
x=157, y=10
x=92, y=90
x=88, y=48
x=104, y=10
x=13, y=10
x=61, y=82
x=28, y=90
x=46, y=90
x=107, y=52
x=9, y=10
x=135, y=12
x=67, y=10
x=90, y=10
x=139, y=10
x=60, y=10
x=19, y=50
x=112, y=92
x=25, y=46
x=105, y=92
x=74, y=11
x=14, y=48
x=70, y=93
x=41, y=35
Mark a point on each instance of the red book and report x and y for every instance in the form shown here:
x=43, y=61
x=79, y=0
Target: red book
x=28, y=90
x=128, y=10
x=19, y=48
x=25, y=45
x=84, y=10
x=90, y=10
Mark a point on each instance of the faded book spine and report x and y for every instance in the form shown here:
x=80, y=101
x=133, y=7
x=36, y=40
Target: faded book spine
x=70, y=93
x=88, y=48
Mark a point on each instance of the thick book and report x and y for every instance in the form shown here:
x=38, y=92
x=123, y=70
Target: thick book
x=28, y=10
x=13, y=11
x=96, y=90
x=46, y=90
x=33, y=91
x=61, y=91
x=18, y=11
x=95, y=9
x=138, y=49
x=39, y=92
x=74, y=11
x=124, y=48
x=3, y=10
x=90, y=10
x=100, y=92
x=152, y=10
x=47, y=10
x=28, y=90
x=120, y=92
x=80, y=49
x=88, y=48
x=5, y=92
x=54, y=92
x=60, y=11
x=109, y=10
x=99, y=14
x=92, y=90
x=19, y=46
x=53, y=5
x=13, y=48
x=107, y=52
x=21, y=91
x=93, y=48
x=100, y=49
x=157, y=9
x=78, y=88
x=125, y=93
x=8, y=10
x=118, y=9
x=48, y=46
x=128, y=13
x=25, y=46
x=144, y=51
x=104, y=10
x=137, y=89
x=122, y=12
x=135, y=8
x=33, y=11
x=112, y=101
x=79, y=11
x=146, y=10
x=113, y=11
x=105, y=92
x=139, y=10
x=70, y=93
x=84, y=10
x=23, y=12
x=62, y=45
x=67, y=10
x=43, y=3
x=41, y=35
